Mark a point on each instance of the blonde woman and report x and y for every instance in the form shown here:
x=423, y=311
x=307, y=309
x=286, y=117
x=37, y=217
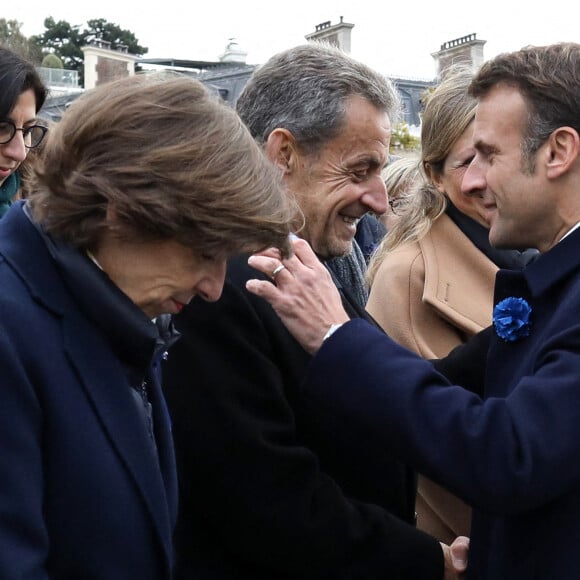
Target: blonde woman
x=432, y=278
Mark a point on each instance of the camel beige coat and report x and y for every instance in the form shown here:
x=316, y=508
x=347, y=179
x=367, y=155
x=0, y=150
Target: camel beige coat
x=431, y=296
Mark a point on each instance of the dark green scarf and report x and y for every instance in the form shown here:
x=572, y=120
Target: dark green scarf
x=7, y=192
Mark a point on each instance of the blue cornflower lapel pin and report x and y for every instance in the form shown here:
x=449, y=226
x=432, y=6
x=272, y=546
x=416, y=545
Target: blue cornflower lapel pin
x=511, y=319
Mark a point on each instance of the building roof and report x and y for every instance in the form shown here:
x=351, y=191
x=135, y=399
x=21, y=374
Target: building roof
x=200, y=65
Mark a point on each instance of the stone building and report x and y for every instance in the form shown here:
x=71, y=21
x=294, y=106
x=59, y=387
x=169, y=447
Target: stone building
x=103, y=64
x=335, y=34
x=228, y=75
x=467, y=50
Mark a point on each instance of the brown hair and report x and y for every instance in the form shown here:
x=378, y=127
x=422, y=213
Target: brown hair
x=548, y=78
x=171, y=160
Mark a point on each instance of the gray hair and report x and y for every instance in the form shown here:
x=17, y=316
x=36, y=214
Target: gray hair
x=305, y=90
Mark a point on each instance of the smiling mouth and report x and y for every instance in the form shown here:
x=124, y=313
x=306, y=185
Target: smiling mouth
x=350, y=220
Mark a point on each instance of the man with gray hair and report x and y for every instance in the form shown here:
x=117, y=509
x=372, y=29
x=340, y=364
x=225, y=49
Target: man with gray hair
x=262, y=496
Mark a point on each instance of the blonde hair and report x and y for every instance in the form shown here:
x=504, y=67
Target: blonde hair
x=400, y=177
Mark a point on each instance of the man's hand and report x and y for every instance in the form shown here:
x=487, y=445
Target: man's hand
x=304, y=295
x=455, y=558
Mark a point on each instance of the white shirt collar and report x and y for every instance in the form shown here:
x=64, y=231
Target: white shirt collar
x=570, y=231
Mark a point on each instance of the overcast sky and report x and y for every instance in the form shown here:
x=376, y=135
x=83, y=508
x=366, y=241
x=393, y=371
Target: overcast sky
x=396, y=38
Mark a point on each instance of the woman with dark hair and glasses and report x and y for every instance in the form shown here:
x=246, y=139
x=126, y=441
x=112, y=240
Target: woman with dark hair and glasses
x=22, y=95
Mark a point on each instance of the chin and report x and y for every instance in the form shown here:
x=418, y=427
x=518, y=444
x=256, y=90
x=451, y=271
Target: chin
x=335, y=248
x=503, y=242
x=340, y=248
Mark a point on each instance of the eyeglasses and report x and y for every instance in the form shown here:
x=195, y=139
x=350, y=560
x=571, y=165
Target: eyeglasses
x=32, y=135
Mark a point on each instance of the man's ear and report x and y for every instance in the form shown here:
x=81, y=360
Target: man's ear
x=563, y=151
x=110, y=213
x=281, y=149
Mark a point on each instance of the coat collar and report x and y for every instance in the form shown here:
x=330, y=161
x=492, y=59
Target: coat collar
x=555, y=265
x=22, y=247
x=459, y=279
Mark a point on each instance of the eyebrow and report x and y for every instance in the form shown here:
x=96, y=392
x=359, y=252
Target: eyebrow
x=485, y=148
x=32, y=121
x=369, y=160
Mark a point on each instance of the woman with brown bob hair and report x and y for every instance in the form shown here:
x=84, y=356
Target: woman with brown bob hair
x=173, y=161
x=144, y=189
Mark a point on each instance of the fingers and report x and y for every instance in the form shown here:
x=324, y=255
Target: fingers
x=459, y=553
x=455, y=558
x=303, y=294
x=277, y=270
x=263, y=289
x=271, y=253
x=303, y=256
x=304, y=252
x=265, y=264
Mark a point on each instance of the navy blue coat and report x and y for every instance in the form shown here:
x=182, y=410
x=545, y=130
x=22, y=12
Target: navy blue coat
x=82, y=493
x=513, y=454
x=263, y=496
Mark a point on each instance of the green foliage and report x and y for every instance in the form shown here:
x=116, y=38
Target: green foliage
x=65, y=40
x=401, y=138
x=100, y=28
x=52, y=61
x=11, y=37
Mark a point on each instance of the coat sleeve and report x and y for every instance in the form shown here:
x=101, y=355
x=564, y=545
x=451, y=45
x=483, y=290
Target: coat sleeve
x=23, y=535
x=504, y=455
x=247, y=472
x=466, y=364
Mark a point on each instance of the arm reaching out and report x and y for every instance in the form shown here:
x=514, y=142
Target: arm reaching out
x=304, y=295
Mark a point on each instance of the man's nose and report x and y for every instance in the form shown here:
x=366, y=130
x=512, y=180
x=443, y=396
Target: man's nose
x=376, y=199
x=211, y=286
x=473, y=182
